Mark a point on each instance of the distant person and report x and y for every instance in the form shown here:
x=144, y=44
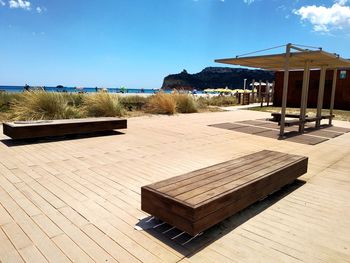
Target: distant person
x=96, y=89
x=142, y=90
x=26, y=87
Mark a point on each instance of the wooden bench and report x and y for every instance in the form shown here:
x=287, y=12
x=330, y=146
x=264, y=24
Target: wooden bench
x=289, y=123
x=196, y=201
x=276, y=116
x=37, y=129
x=327, y=116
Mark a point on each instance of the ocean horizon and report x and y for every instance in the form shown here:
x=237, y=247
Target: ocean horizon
x=18, y=89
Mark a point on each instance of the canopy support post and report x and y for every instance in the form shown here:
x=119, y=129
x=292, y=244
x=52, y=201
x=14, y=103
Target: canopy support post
x=334, y=84
x=267, y=93
x=285, y=89
x=304, y=96
x=260, y=94
x=320, y=96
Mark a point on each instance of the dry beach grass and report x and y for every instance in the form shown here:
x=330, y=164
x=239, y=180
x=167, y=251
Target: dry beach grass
x=44, y=105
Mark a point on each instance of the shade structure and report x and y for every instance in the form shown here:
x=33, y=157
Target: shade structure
x=306, y=60
x=275, y=62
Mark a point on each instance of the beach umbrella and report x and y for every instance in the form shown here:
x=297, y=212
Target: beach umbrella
x=123, y=89
x=224, y=90
x=60, y=86
x=256, y=84
x=209, y=90
x=241, y=91
x=79, y=88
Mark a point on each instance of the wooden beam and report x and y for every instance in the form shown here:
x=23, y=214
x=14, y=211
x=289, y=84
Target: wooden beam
x=285, y=89
x=320, y=96
x=304, y=96
x=334, y=84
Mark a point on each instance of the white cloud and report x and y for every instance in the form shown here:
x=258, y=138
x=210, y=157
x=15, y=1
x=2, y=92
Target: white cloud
x=2, y=3
x=341, y=2
x=248, y=1
x=20, y=4
x=325, y=19
x=38, y=9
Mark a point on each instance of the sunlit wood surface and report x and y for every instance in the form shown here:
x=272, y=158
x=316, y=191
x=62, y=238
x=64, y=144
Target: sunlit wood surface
x=79, y=200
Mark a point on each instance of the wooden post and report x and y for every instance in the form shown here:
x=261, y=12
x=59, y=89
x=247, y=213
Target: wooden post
x=304, y=96
x=253, y=87
x=334, y=84
x=285, y=89
x=272, y=91
x=320, y=96
x=267, y=92
x=260, y=97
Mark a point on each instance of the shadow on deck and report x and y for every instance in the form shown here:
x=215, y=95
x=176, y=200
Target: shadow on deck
x=13, y=143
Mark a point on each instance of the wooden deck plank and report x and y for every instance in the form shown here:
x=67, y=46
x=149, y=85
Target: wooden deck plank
x=8, y=253
x=86, y=244
x=5, y=218
x=32, y=254
x=71, y=249
x=18, y=238
x=47, y=225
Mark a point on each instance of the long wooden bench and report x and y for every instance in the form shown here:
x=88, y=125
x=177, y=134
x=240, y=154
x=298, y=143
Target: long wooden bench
x=196, y=201
x=37, y=129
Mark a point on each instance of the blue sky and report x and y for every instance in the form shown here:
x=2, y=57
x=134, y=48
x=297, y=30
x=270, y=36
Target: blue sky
x=137, y=43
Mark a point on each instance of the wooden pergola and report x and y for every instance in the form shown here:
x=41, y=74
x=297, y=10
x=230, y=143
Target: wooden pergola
x=301, y=59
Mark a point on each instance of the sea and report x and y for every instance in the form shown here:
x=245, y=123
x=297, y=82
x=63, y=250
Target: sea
x=17, y=89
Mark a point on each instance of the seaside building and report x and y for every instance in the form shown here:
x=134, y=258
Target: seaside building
x=342, y=91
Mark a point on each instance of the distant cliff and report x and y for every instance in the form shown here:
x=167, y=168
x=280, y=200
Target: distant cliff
x=215, y=77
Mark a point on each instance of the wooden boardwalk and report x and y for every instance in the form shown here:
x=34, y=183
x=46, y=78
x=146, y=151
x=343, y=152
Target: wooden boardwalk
x=79, y=200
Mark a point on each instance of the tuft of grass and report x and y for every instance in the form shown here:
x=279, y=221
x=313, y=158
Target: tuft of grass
x=161, y=103
x=219, y=101
x=74, y=99
x=133, y=102
x=102, y=105
x=222, y=101
x=185, y=103
x=41, y=105
x=6, y=99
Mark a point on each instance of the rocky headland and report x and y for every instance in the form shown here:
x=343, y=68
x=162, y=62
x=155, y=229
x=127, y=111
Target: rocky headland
x=216, y=77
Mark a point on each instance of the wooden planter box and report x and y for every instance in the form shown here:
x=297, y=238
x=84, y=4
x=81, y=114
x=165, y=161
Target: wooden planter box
x=37, y=129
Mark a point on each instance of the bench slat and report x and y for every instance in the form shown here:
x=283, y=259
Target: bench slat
x=209, y=183
x=186, y=176
x=204, y=195
x=193, y=182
